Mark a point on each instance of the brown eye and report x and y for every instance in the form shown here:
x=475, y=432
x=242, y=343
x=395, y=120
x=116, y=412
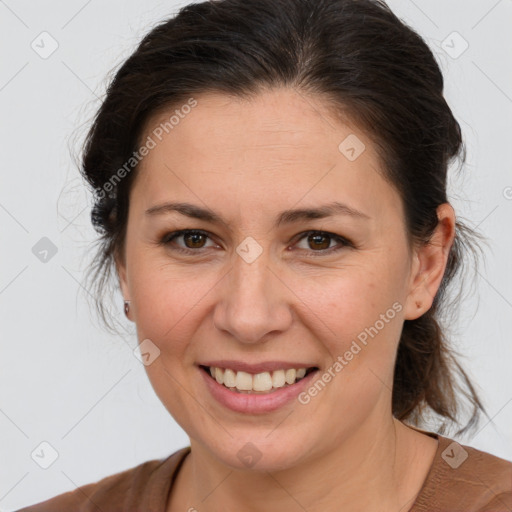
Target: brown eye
x=193, y=240
x=320, y=242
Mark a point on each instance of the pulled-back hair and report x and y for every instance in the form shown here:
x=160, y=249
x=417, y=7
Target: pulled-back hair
x=370, y=68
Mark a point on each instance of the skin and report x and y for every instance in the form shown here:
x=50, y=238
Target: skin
x=248, y=160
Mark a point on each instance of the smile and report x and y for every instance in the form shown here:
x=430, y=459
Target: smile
x=255, y=393
x=244, y=382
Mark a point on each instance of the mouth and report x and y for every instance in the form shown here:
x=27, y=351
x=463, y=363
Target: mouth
x=258, y=388
x=262, y=383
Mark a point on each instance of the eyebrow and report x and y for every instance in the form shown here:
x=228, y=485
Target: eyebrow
x=285, y=217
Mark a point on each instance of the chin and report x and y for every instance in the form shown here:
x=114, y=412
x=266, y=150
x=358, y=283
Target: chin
x=258, y=452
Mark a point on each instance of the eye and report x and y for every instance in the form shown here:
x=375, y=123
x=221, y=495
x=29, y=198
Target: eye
x=320, y=241
x=195, y=240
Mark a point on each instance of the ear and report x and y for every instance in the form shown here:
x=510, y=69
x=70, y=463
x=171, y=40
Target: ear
x=120, y=266
x=429, y=263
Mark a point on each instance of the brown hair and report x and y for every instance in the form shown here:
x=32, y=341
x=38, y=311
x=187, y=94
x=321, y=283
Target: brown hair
x=367, y=64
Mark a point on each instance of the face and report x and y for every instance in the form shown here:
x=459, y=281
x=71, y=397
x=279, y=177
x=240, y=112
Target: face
x=246, y=289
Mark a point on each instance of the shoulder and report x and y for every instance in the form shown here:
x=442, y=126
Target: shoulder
x=487, y=476
x=465, y=478
x=146, y=485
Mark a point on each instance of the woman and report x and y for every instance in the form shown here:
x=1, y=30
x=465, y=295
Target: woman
x=270, y=185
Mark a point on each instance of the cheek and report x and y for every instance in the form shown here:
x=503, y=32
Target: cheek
x=164, y=294
x=344, y=306
x=358, y=320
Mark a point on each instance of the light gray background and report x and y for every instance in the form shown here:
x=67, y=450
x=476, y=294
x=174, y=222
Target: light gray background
x=66, y=381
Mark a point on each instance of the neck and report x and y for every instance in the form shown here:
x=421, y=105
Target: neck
x=379, y=467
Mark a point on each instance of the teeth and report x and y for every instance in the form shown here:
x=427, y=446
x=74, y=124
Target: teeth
x=290, y=376
x=260, y=382
x=278, y=379
x=229, y=378
x=219, y=375
x=243, y=380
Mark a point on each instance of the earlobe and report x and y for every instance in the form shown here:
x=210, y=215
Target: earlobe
x=122, y=279
x=430, y=263
x=127, y=308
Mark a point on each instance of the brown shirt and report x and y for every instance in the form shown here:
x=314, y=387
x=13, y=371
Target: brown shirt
x=461, y=479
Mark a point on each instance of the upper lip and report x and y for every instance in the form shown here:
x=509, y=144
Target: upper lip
x=264, y=366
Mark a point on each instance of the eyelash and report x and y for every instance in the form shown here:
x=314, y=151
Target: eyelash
x=169, y=237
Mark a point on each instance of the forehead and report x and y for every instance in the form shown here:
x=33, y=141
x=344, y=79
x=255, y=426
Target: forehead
x=276, y=147
x=279, y=121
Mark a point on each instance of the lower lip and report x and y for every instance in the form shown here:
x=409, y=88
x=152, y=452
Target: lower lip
x=255, y=403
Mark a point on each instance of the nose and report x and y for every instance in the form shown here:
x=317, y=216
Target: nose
x=253, y=302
